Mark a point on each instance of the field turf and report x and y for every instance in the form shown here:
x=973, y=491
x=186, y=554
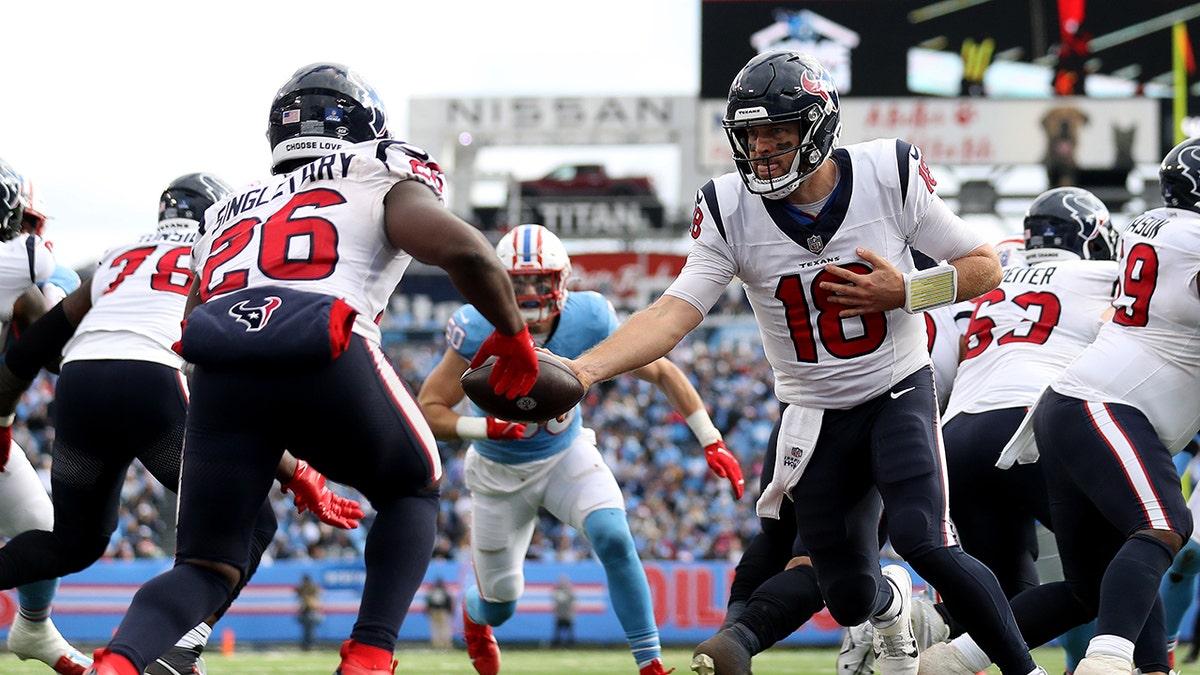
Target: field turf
x=528, y=661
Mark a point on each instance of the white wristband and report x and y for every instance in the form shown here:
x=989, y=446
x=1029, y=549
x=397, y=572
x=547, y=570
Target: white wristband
x=471, y=428
x=930, y=288
x=701, y=425
x=7, y=420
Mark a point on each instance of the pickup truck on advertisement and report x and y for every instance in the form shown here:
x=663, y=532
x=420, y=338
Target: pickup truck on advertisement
x=585, y=180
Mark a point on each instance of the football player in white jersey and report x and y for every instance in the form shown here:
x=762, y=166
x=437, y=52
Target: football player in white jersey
x=820, y=235
x=25, y=262
x=291, y=276
x=119, y=327
x=1021, y=335
x=1104, y=432
x=514, y=469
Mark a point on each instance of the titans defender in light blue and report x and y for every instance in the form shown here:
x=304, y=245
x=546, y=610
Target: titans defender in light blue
x=514, y=469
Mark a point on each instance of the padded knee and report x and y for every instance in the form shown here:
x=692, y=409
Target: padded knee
x=507, y=588
x=608, y=532
x=851, y=599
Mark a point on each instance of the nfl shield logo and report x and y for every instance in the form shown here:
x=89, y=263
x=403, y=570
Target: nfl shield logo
x=815, y=243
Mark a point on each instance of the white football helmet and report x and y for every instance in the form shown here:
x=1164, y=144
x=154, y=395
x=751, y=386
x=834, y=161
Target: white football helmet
x=34, y=217
x=1011, y=250
x=540, y=268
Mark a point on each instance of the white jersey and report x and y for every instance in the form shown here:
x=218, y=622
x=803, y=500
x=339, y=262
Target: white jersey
x=1148, y=356
x=319, y=229
x=1023, y=333
x=25, y=261
x=884, y=202
x=138, y=295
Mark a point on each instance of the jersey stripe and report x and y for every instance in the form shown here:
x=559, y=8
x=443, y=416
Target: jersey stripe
x=30, y=248
x=1118, y=442
x=903, y=148
x=714, y=208
x=408, y=407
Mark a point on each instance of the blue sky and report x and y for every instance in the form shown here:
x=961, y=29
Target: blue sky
x=107, y=102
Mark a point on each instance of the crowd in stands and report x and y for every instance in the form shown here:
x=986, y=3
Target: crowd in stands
x=678, y=510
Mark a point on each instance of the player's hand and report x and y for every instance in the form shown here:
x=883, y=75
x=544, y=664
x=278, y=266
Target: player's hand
x=878, y=290
x=725, y=465
x=516, y=366
x=5, y=440
x=503, y=430
x=310, y=494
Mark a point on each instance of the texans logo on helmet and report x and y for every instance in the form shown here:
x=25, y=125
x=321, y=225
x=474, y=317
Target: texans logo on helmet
x=255, y=318
x=816, y=87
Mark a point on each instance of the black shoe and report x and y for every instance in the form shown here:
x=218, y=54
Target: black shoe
x=721, y=654
x=178, y=661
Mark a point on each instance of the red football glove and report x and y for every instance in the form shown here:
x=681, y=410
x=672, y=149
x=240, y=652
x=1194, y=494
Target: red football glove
x=503, y=430
x=516, y=366
x=725, y=465
x=310, y=494
x=5, y=441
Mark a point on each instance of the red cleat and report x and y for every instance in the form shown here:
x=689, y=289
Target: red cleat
x=655, y=667
x=360, y=659
x=481, y=646
x=107, y=663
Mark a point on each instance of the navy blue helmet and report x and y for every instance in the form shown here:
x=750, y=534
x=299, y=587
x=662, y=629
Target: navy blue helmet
x=783, y=86
x=1179, y=176
x=186, y=199
x=1068, y=222
x=323, y=107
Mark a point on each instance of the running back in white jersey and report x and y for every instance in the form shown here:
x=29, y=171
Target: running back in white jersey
x=1148, y=356
x=1023, y=333
x=319, y=228
x=138, y=295
x=25, y=261
x=821, y=360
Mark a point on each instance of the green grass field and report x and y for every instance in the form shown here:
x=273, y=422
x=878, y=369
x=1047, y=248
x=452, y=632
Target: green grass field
x=413, y=661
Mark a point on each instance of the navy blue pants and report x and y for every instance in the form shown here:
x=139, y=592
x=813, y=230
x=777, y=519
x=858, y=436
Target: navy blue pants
x=354, y=421
x=891, y=443
x=995, y=511
x=1110, y=479
x=107, y=413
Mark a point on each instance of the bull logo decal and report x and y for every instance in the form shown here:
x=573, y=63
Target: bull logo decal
x=255, y=317
x=816, y=87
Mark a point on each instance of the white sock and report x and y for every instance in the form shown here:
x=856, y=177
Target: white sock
x=974, y=656
x=196, y=637
x=891, y=613
x=1110, y=645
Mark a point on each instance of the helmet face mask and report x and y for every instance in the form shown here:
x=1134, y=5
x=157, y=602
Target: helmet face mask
x=323, y=107
x=1179, y=176
x=12, y=207
x=1068, y=223
x=772, y=89
x=539, y=267
x=183, y=203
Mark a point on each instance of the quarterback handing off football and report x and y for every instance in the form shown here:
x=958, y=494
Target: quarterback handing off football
x=556, y=391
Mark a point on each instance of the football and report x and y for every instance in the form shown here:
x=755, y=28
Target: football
x=556, y=391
